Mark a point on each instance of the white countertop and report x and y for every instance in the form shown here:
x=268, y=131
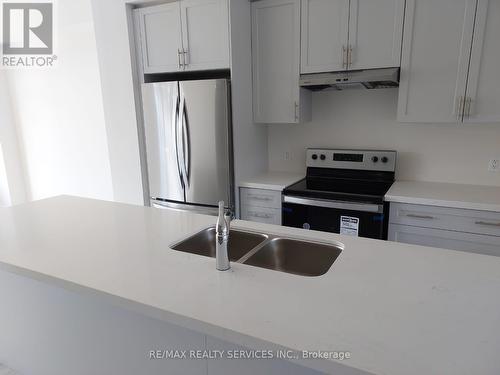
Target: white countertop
x=273, y=180
x=473, y=197
x=398, y=309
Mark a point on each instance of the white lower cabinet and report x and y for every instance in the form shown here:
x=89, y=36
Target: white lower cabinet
x=446, y=239
x=260, y=205
x=261, y=214
x=448, y=228
x=273, y=366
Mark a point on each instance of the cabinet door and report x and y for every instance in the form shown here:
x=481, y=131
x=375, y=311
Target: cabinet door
x=375, y=33
x=445, y=239
x=160, y=36
x=275, y=61
x=435, y=59
x=205, y=34
x=261, y=214
x=260, y=198
x=324, y=36
x=483, y=88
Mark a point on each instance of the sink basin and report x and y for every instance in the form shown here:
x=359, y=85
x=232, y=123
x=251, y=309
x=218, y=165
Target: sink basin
x=269, y=251
x=296, y=257
x=203, y=243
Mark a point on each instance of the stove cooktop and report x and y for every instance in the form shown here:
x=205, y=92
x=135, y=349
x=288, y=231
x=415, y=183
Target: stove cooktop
x=346, y=175
x=340, y=189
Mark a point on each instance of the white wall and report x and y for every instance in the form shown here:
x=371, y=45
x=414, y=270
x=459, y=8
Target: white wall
x=12, y=185
x=367, y=119
x=59, y=116
x=113, y=48
x=5, y=200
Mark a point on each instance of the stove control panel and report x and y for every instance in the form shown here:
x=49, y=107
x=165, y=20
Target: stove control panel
x=368, y=160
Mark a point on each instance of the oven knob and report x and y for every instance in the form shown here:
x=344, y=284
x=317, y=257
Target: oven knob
x=322, y=157
x=314, y=157
x=384, y=159
x=374, y=159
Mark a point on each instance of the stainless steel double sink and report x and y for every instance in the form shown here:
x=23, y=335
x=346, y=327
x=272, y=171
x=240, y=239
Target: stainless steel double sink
x=267, y=251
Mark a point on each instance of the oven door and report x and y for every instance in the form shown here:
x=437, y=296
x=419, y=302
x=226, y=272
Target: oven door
x=349, y=218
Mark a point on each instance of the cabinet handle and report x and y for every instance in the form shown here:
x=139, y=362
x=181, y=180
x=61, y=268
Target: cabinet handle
x=260, y=198
x=296, y=111
x=415, y=216
x=184, y=57
x=260, y=216
x=179, y=64
x=344, y=57
x=487, y=223
x=460, y=110
x=349, y=56
x=468, y=103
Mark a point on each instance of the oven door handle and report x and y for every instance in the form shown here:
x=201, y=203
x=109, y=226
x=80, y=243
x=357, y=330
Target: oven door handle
x=364, y=207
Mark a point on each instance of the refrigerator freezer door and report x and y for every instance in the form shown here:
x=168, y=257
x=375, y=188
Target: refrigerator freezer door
x=161, y=104
x=206, y=157
x=174, y=206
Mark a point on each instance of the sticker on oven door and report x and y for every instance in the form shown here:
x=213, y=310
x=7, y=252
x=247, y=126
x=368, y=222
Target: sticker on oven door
x=349, y=225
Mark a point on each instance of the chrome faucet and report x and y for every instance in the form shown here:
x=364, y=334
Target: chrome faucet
x=222, y=238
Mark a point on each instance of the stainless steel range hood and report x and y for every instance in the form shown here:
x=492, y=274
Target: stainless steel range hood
x=365, y=79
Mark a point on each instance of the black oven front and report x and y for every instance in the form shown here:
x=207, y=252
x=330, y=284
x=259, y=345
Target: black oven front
x=349, y=218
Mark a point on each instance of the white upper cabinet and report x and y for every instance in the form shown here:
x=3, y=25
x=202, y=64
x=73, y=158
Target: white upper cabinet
x=324, y=37
x=435, y=60
x=375, y=33
x=205, y=34
x=159, y=30
x=184, y=35
x=277, y=97
x=350, y=34
x=483, y=87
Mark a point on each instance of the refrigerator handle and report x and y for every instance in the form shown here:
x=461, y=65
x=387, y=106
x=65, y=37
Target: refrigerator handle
x=187, y=156
x=177, y=141
x=181, y=140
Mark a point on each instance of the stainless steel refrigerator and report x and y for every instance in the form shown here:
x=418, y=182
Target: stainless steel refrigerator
x=188, y=144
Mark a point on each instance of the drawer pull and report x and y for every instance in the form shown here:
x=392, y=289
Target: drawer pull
x=487, y=223
x=260, y=216
x=420, y=216
x=260, y=198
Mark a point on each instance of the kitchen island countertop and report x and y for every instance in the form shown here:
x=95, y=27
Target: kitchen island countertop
x=397, y=308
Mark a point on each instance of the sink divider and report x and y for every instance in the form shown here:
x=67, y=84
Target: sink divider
x=245, y=257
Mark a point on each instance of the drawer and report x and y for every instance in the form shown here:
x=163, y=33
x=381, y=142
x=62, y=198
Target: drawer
x=261, y=214
x=456, y=219
x=260, y=198
x=446, y=239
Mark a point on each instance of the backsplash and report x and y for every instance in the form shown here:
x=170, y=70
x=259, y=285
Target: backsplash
x=367, y=119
